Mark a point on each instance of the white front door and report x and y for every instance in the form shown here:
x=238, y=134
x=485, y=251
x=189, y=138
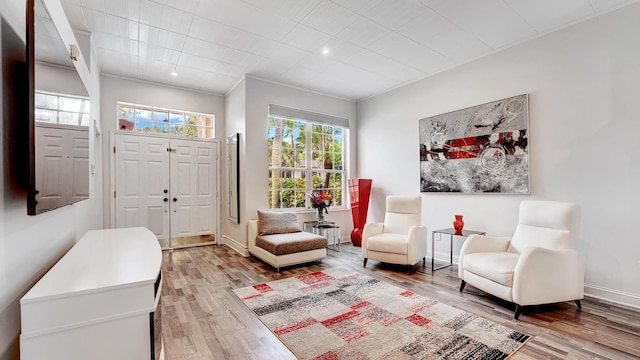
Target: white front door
x=142, y=183
x=193, y=188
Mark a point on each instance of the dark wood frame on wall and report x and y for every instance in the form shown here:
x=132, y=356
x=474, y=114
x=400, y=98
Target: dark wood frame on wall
x=233, y=178
x=31, y=88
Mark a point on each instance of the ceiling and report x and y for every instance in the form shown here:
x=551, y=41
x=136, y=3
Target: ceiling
x=347, y=48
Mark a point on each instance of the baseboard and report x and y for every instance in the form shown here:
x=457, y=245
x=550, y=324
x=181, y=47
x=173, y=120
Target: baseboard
x=611, y=295
x=236, y=246
x=443, y=257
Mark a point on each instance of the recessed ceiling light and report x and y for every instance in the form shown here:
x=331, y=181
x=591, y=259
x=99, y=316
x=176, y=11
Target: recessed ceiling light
x=325, y=51
x=173, y=73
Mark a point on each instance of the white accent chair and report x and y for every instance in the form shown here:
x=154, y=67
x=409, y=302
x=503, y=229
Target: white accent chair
x=400, y=239
x=538, y=265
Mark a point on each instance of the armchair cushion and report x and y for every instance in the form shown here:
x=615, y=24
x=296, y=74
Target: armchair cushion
x=495, y=266
x=388, y=243
x=273, y=222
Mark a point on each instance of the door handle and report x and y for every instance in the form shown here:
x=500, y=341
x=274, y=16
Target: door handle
x=165, y=199
x=175, y=199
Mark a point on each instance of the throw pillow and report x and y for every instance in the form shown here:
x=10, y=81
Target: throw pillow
x=273, y=222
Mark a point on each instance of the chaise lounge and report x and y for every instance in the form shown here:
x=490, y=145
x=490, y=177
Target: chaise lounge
x=276, y=238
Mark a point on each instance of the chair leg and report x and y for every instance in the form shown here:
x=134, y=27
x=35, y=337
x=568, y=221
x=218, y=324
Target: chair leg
x=518, y=312
x=462, y=284
x=578, y=304
x=365, y=263
x=424, y=261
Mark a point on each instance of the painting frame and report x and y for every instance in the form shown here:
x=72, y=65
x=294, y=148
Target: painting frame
x=480, y=149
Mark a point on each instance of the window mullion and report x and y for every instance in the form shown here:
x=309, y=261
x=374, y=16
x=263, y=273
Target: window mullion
x=308, y=172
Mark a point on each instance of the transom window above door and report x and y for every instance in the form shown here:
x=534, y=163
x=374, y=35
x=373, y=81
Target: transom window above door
x=149, y=119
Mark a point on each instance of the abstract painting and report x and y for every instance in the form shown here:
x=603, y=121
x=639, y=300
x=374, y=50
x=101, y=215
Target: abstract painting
x=480, y=149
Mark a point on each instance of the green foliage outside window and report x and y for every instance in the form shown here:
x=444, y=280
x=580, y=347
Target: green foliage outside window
x=289, y=166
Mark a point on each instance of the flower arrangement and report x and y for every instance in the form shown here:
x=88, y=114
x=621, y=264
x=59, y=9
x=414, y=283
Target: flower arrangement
x=320, y=200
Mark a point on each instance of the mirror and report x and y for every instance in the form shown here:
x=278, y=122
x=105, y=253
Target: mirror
x=233, y=177
x=60, y=103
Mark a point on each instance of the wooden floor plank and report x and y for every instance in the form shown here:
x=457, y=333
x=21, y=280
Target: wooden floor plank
x=203, y=319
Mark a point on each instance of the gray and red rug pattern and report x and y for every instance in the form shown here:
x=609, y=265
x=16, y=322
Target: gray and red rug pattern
x=342, y=314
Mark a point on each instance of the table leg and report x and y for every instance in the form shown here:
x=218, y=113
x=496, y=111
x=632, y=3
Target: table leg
x=433, y=254
x=451, y=250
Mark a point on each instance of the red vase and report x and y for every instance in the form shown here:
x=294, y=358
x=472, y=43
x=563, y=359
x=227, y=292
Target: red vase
x=458, y=224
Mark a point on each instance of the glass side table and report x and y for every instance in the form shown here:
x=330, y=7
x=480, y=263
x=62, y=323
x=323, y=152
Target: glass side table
x=328, y=229
x=451, y=232
x=308, y=225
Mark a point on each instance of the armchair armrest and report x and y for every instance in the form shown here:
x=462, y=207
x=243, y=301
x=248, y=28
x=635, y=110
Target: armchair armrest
x=481, y=243
x=370, y=229
x=417, y=243
x=546, y=276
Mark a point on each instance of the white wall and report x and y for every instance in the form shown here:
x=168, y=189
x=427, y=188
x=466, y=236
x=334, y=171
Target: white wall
x=116, y=89
x=29, y=245
x=235, y=122
x=583, y=86
x=254, y=174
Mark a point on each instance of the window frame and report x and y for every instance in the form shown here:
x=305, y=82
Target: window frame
x=85, y=100
x=208, y=131
x=307, y=173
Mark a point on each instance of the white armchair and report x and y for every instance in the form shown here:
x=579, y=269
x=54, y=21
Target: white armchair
x=400, y=239
x=538, y=265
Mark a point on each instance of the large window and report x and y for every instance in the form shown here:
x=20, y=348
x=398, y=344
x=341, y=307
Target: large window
x=304, y=155
x=62, y=109
x=157, y=120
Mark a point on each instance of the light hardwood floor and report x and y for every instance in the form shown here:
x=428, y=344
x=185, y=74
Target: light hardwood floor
x=203, y=319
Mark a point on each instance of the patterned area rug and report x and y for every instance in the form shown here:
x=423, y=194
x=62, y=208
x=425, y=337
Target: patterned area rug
x=342, y=314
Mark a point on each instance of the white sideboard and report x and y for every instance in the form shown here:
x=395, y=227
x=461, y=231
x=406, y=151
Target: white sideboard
x=100, y=301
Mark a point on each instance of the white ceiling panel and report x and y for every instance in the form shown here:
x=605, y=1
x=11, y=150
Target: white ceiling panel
x=93, y=4
x=358, y=6
x=339, y=50
x=165, y=17
x=384, y=66
x=396, y=13
x=545, y=15
x=164, y=38
x=492, y=21
x=409, y=52
x=607, y=5
x=348, y=48
x=442, y=36
x=330, y=18
x=100, y=22
x=306, y=38
x=204, y=49
x=363, y=32
x=247, y=17
x=294, y=10
x=128, y=9
x=190, y=6
x=212, y=31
